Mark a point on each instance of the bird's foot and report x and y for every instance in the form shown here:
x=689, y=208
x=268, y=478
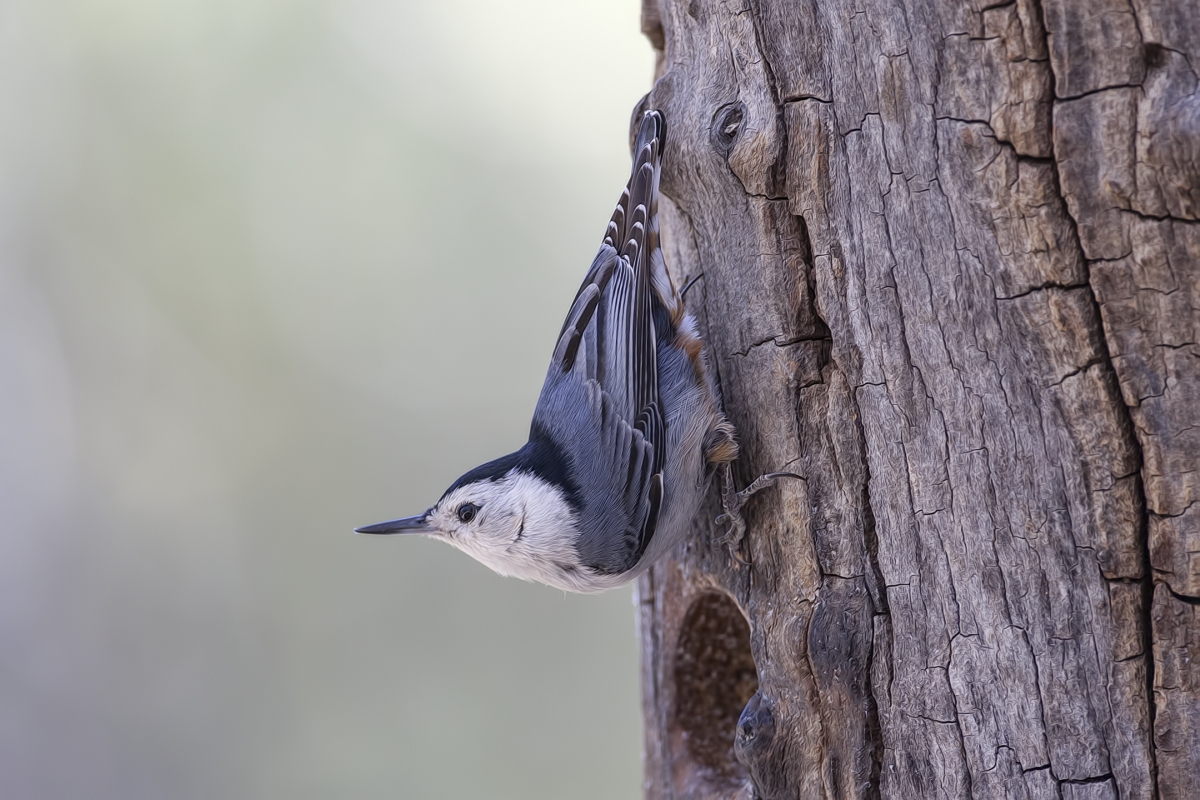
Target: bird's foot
x=733, y=501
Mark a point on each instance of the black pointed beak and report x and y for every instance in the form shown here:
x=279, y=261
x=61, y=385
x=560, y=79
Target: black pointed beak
x=417, y=524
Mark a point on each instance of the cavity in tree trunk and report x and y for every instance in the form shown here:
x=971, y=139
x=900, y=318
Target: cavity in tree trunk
x=951, y=277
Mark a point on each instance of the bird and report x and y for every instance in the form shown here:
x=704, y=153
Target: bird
x=627, y=431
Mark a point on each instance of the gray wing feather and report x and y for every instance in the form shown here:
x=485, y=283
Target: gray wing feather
x=603, y=380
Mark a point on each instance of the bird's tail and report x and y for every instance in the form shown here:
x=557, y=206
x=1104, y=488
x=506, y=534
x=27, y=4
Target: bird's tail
x=639, y=204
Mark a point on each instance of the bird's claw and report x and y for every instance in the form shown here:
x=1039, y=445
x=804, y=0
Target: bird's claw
x=733, y=537
x=733, y=501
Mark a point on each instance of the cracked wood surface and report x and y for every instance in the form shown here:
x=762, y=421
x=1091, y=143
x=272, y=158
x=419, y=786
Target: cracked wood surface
x=951, y=278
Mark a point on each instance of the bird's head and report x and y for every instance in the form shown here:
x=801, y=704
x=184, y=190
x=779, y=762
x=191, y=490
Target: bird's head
x=510, y=520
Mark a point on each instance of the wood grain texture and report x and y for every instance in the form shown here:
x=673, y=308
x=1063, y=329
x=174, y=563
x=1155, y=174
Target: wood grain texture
x=951, y=278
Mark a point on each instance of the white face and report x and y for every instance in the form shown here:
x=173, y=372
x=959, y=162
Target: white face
x=485, y=512
x=518, y=525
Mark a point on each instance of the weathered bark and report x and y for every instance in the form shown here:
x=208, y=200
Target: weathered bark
x=951, y=277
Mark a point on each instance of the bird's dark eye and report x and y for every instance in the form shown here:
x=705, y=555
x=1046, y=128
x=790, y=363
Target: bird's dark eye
x=467, y=512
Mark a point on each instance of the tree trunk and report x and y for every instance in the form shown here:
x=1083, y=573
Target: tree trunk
x=951, y=277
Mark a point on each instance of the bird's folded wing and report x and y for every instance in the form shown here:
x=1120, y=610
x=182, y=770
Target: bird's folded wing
x=619, y=490
x=608, y=352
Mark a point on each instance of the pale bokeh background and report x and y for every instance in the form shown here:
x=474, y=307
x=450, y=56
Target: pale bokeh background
x=269, y=270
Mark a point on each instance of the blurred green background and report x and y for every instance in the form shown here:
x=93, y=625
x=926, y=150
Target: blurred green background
x=269, y=270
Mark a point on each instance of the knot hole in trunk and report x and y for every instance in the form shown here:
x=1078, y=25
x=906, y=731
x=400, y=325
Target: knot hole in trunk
x=715, y=677
x=726, y=125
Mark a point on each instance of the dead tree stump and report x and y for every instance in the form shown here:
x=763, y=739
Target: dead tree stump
x=951, y=277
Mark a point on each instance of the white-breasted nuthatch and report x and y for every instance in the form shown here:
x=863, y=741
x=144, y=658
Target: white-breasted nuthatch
x=626, y=433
